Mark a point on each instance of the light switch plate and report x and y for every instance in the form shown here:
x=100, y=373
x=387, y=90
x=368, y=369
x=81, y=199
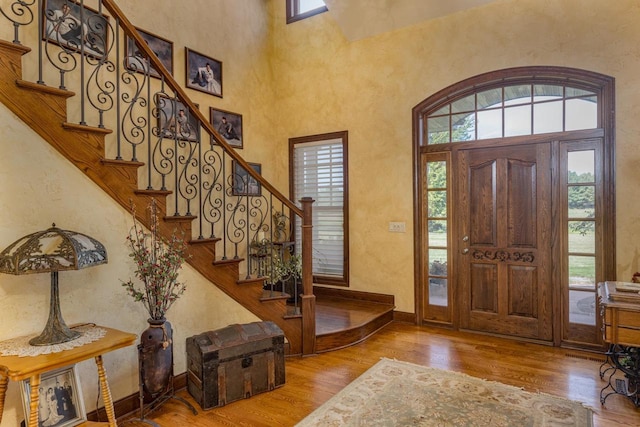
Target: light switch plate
x=397, y=227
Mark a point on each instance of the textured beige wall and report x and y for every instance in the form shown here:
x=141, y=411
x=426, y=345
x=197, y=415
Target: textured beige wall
x=325, y=83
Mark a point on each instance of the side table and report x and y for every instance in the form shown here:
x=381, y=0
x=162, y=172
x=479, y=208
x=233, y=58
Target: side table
x=20, y=368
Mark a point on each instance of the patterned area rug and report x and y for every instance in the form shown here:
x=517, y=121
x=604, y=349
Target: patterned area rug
x=394, y=393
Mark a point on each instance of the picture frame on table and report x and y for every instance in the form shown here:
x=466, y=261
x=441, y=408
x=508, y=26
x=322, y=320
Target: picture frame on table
x=60, y=398
x=173, y=117
x=228, y=125
x=136, y=61
x=243, y=183
x=203, y=73
x=75, y=27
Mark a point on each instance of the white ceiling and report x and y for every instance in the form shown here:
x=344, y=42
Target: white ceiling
x=364, y=18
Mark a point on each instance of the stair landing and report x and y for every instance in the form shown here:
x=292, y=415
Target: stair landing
x=342, y=322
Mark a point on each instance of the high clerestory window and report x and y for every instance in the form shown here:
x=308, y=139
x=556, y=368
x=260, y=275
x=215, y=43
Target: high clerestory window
x=301, y=9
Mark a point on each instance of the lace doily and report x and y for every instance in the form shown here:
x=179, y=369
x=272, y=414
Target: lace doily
x=20, y=346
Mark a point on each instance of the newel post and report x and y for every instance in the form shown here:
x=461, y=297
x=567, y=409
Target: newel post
x=308, y=299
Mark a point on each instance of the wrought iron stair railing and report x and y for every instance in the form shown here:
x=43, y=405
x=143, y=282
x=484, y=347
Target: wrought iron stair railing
x=136, y=105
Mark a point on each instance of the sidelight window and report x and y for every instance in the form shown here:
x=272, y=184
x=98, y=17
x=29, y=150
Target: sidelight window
x=580, y=193
x=436, y=293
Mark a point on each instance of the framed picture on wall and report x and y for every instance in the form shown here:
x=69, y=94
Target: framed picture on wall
x=60, y=402
x=75, y=27
x=135, y=60
x=174, y=120
x=243, y=183
x=203, y=73
x=228, y=125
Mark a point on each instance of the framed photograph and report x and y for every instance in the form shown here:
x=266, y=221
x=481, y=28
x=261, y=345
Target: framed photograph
x=136, y=61
x=203, y=73
x=243, y=183
x=60, y=402
x=174, y=119
x=75, y=27
x=228, y=125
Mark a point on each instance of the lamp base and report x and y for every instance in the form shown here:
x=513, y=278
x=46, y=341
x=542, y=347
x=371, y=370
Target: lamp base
x=56, y=331
x=50, y=337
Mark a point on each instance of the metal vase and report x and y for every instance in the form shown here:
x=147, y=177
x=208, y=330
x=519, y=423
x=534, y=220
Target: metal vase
x=155, y=354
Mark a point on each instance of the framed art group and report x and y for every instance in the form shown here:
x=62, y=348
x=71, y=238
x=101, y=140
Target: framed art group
x=78, y=27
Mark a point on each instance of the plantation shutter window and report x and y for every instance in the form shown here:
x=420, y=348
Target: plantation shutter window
x=319, y=172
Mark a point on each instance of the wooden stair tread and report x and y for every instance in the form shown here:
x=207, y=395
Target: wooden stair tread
x=151, y=192
x=204, y=240
x=85, y=128
x=39, y=87
x=15, y=46
x=273, y=295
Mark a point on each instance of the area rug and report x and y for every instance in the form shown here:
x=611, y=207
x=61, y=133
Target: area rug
x=394, y=393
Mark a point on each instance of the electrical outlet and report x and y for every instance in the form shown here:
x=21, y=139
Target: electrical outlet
x=397, y=227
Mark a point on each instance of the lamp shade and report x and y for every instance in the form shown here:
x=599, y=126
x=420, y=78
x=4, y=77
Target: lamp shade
x=51, y=251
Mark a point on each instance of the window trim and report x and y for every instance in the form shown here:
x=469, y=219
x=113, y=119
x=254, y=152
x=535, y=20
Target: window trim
x=344, y=136
x=293, y=14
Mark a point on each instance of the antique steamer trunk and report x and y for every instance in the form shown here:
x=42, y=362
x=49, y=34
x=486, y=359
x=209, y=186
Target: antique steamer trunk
x=234, y=363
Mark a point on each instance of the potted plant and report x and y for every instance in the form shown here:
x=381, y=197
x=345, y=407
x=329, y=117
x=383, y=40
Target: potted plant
x=287, y=272
x=157, y=262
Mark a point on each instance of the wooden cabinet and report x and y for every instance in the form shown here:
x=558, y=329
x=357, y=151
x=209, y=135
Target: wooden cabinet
x=620, y=310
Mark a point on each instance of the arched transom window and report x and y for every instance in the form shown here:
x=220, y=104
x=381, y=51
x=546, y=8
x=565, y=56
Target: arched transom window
x=522, y=109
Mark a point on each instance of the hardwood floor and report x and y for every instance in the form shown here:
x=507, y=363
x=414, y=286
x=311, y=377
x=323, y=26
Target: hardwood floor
x=311, y=381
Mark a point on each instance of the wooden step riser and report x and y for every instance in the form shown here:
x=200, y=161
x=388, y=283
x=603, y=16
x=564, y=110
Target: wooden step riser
x=11, y=59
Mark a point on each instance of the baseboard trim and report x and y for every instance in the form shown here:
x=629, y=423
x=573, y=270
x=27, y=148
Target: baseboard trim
x=130, y=404
x=354, y=295
x=403, y=316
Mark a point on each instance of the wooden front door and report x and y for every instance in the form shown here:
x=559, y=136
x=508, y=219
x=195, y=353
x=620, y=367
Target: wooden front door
x=504, y=240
